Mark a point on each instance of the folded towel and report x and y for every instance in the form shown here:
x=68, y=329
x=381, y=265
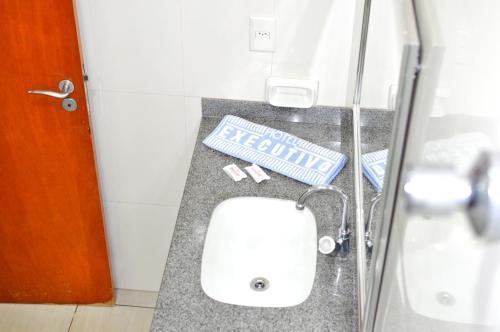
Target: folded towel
x=276, y=150
x=459, y=151
x=374, y=168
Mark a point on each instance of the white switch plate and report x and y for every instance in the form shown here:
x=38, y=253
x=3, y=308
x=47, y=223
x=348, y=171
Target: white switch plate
x=262, y=34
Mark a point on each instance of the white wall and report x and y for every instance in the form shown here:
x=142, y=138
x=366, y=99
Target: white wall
x=149, y=64
x=470, y=82
x=383, y=54
x=314, y=41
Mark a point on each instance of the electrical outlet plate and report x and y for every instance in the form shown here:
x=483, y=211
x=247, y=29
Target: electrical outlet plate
x=262, y=34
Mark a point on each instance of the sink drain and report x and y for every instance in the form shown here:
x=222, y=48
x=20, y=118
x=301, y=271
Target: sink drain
x=259, y=284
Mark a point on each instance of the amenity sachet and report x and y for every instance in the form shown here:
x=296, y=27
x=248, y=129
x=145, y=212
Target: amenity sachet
x=276, y=150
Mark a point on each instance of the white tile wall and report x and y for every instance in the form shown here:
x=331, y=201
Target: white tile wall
x=138, y=138
x=217, y=61
x=139, y=240
x=137, y=46
x=149, y=64
x=192, y=107
x=314, y=42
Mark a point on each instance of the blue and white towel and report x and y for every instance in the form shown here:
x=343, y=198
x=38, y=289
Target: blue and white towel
x=374, y=168
x=276, y=150
x=459, y=151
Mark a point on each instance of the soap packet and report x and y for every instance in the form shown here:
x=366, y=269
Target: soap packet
x=257, y=173
x=234, y=172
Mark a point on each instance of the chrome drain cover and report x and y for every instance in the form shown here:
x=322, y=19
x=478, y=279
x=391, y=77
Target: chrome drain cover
x=259, y=284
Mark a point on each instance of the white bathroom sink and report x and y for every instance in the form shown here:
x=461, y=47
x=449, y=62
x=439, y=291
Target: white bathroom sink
x=259, y=252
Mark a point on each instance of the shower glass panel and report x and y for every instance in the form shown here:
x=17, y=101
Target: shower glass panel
x=391, y=59
x=436, y=273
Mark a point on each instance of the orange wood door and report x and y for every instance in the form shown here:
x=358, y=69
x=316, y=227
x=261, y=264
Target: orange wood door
x=52, y=240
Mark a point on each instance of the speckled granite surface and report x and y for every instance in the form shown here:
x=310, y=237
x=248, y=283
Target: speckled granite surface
x=332, y=305
x=376, y=131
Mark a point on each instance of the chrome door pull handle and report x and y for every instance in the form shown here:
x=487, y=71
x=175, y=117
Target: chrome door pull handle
x=430, y=190
x=66, y=87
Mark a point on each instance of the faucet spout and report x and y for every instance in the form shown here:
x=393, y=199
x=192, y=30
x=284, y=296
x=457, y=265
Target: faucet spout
x=369, y=224
x=343, y=239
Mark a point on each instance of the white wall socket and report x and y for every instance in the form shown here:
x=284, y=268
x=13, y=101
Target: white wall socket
x=262, y=34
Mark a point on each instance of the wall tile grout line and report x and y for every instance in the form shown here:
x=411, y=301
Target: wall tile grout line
x=134, y=306
x=141, y=203
x=150, y=92
x=72, y=318
x=159, y=93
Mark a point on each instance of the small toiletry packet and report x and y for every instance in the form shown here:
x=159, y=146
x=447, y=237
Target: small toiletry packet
x=374, y=168
x=257, y=173
x=276, y=150
x=234, y=172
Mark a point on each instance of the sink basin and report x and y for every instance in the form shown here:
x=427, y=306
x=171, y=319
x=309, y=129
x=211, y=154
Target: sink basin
x=259, y=252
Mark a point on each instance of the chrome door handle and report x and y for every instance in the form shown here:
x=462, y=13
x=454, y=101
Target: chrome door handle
x=431, y=190
x=66, y=87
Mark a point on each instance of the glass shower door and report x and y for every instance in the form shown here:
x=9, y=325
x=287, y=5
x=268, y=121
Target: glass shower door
x=436, y=272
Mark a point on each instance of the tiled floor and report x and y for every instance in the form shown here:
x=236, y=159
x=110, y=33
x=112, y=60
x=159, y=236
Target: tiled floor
x=133, y=311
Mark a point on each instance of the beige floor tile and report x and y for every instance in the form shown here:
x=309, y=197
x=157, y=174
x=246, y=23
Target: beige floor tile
x=111, y=319
x=136, y=298
x=35, y=318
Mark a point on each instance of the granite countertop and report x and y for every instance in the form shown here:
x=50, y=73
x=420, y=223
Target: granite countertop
x=332, y=306
x=376, y=133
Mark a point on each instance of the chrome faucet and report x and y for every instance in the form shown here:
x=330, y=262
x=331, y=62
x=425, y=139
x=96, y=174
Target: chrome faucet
x=368, y=227
x=343, y=239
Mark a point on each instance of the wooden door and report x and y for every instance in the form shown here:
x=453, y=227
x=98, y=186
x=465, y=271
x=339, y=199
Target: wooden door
x=52, y=239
